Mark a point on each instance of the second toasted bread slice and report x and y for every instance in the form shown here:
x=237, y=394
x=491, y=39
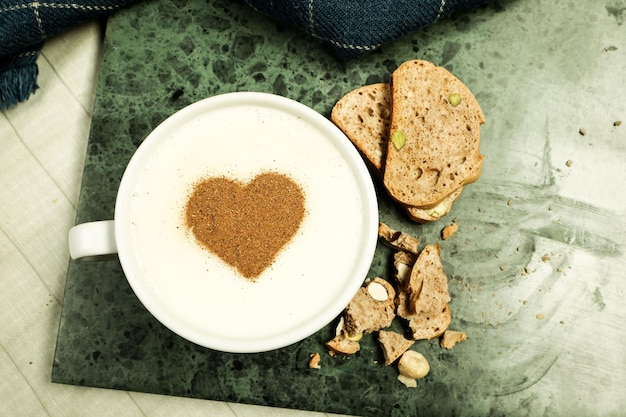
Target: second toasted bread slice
x=364, y=115
x=434, y=145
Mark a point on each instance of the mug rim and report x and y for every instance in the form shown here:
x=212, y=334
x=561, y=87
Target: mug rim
x=362, y=262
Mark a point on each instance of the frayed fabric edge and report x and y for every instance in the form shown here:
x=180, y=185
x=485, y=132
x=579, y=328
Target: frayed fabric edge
x=18, y=79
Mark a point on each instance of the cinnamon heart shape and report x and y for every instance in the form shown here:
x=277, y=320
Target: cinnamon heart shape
x=246, y=225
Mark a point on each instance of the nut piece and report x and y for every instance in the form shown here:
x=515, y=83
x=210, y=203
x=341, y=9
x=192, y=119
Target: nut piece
x=403, y=263
x=455, y=99
x=409, y=382
x=451, y=338
x=377, y=291
x=398, y=139
x=340, y=332
x=413, y=364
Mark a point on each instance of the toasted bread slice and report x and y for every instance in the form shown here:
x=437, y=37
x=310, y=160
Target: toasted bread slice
x=364, y=115
x=439, y=150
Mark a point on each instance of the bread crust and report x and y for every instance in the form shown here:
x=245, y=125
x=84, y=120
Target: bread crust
x=425, y=215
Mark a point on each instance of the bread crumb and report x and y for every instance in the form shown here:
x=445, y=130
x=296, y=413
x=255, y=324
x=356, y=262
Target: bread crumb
x=582, y=131
x=617, y=123
x=545, y=258
x=569, y=163
x=540, y=316
x=451, y=338
x=314, y=362
x=449, y=230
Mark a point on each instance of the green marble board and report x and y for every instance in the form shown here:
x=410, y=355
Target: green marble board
x=532, y=265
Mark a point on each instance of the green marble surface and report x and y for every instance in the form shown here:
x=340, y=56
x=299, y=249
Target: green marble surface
x=533, y=270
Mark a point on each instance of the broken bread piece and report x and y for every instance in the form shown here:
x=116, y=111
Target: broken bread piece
x=424, y=299
x=366, y=314
x=430, y=326
x=427, y=287
x=397, y=239
x=393, y=344
x=434, y=135
x=371, y=309
x=339, y=344
x=451, y=338
x=364, y=115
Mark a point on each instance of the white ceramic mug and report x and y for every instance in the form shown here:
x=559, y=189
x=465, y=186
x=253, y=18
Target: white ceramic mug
x=193, y=292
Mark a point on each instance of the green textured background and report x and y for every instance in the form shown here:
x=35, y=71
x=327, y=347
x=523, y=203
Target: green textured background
x=538, y=69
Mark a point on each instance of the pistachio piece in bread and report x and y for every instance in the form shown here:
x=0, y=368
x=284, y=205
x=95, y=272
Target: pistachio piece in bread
x=440, y=120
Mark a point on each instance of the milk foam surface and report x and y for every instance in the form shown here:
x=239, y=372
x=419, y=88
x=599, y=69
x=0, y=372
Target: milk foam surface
x=200, y=288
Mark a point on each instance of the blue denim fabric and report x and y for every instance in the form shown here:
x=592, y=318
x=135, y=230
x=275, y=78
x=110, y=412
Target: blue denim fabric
x=354, y=27
x=25, y=24
x=350, y=27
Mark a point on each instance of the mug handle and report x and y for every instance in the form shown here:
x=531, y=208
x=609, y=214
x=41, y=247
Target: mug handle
x=92, y=239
